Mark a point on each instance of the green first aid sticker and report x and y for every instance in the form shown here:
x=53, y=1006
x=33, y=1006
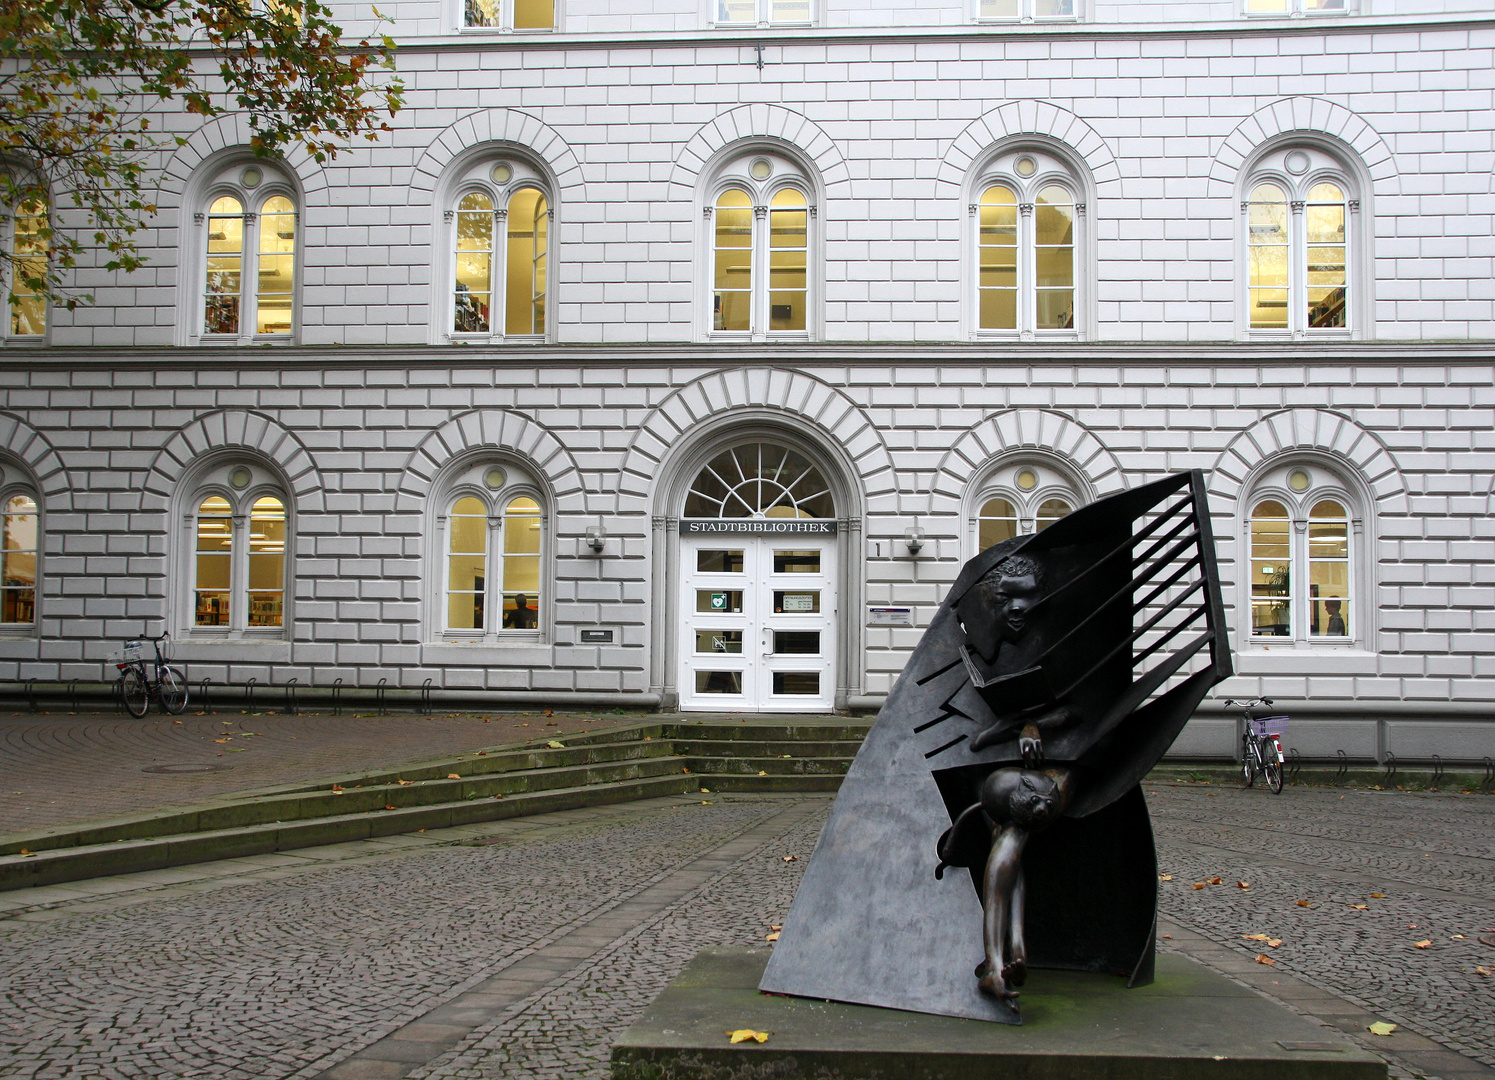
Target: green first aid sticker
x=718, y=601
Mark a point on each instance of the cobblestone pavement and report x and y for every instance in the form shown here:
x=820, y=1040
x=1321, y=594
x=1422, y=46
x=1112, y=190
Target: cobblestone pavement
x=520, y=949
x=61, y=769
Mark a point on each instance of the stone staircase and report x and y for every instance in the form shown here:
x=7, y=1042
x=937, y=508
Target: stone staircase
x=639, y=761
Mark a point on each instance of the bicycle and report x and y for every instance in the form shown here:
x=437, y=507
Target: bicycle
x=136, y=686
x=1261, y=744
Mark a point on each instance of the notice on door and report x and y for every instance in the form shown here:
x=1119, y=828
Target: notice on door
x=718, y=601
x=799, y=601
x=890, y=616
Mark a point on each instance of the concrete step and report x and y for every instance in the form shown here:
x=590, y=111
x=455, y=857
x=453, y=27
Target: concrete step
x=774, y=766
x=798, y=731
x=132, y=856
x=767, y=748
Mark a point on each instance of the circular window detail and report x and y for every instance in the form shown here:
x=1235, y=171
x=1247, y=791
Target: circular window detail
x=1299, y=480
x=240, y=477
x=1296, y=162
x=761, y=169
x=1026, y=479
x=502, y=173
x=1025, y=166
x=251, y=177
x=495, y=478
x=759, y=480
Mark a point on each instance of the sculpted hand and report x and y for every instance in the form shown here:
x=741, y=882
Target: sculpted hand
x=1032, y=751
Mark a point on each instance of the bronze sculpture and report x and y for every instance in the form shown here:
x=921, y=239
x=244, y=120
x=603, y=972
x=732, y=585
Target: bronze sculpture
x=1056, y=673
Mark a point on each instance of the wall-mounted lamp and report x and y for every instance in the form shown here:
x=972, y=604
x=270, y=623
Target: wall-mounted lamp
x=596, y=537
x=914, y=538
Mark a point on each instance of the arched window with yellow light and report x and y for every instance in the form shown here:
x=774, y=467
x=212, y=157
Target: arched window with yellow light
x=250, y=228
x=239, y=558
x=500, y=228
x=491, y=531
x=1020, y=497
x=20, y=554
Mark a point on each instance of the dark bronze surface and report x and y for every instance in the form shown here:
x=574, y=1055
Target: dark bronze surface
x=1058, y=670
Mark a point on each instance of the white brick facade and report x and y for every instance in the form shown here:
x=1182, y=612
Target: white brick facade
x=624, y=114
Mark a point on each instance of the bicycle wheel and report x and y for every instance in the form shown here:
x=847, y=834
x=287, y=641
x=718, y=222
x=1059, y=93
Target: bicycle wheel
x=136, y=694
x=1248, y=759
x=1272, y=766
x=173, y=689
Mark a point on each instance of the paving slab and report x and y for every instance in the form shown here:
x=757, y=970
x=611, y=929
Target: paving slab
x=1190, y=1023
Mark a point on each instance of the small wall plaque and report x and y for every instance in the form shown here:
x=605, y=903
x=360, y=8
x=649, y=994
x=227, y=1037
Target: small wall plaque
x=596, y=637
x=890, y=616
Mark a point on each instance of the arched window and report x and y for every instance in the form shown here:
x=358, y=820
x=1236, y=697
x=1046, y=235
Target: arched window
x=759, y=240
x=249, y=257
x=1029, y=217
x=1025, y=10
x=763, y=12
x=1019, y=498
x=20, y=536
x=26, y=240
x=1301, y=534
x=492, y=537
x=1300, y=217
x=500, y=270
x=239, y=552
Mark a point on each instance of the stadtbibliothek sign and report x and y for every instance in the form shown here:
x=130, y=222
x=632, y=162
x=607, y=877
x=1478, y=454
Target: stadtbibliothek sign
x=763, y=526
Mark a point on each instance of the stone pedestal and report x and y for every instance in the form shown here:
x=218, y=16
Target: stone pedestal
x=1190, y=1024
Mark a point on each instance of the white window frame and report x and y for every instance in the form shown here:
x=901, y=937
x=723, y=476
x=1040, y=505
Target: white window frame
x=471, y=481
x=1048, y=169
x=231, y=183
x=785, y=174
x=478, y=177
x=1323, y=168
x=1299, y=9
x=1274, y=485
x=8, y=491
x=219, y=481
x=764, y=20
x=506, y=20
x=8, y=282
x=1028, y=11
x=1006, y=482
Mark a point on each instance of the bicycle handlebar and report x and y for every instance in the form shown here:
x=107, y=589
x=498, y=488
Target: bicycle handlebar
x=1252, y=703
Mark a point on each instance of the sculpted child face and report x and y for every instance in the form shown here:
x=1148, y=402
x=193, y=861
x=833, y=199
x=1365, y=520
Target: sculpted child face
x=1015, y=595
x=1033, y=802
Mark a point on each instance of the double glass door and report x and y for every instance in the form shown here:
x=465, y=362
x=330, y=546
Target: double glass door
x=757, y=623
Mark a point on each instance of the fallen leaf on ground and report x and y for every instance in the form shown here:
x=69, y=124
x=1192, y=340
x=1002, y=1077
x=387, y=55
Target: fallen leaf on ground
x=771, y=937
x=1457, y=937
x=1198, y=884
x=774, y=926
x=498, y=796
x=453, y=776
x=1483, y=971
x=1216, y=881
x=556, y=744
x=220, y=740
x=1243, y=884
x=404, y=783
x=1305, y=903
x=748, y=1034
x=1381, y=1027
x=762, y=772
x=1378, y=896
x=388, y=806
x=705, y=791
x=483, y=753
x=1167, y=937
x=1422, y=944
x=1263, y=958
x=791, y=858
x=549, y=712
x=685, y=770
x=337, y=789
x=28, y=854
x=1165, y=877
x=1360, y=907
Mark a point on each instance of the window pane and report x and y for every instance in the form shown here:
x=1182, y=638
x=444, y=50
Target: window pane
x=733, y=272
x=719, y=562
x=1053, y=9
x=1266, y=7
x=789, y=11
x=1051, y=511
x=737, y=11
x=214, y=567
x=796, y=682
x=719, y=641
x=521, y=570
x=524, y=293
x=1328, y=570
x=996, y=522
x=225, y=267
x=787, y=240
x=467, y=564
x=1267, y=245
x=18, y=547
x=999, y=9
x=997, y=241
x=522, y=527
x=719, y=682
x=1324, y=224
x=267, y=565
x=474, y=285
x=28, y=315
x=1271, y=570
x=481, y=13
x=534, y=14
x=277, y=266
x=796, y=562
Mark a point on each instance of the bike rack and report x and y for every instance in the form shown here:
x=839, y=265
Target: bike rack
x=1390, y=769
x=337, y=697
x=379, y=694
x=1344, y=766
x=1489, y=781
x=425, y=697
x=72, y=694
x=291, y=699
x=249, y=692
x=202, y=692
x=119, y=695
x=1437, y=777
x=31, y=695
x=1294, y=763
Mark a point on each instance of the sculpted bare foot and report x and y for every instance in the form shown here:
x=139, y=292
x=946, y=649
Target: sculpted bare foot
x=996, y=988
x=982, y=968
x=1016, y=972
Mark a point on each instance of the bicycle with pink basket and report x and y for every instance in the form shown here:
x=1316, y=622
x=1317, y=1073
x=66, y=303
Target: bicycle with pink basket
x=1261, y=744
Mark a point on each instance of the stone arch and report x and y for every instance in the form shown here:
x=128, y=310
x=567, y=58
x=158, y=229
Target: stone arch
x=501, y=127
x=24, y=444
x=761, y=392
x=1010, y=430
x=498, y=429
x=1015, y=119
x=232, y=429
x=1317, y=431
x=222, y=135
x=759, y=121
x=1312, y=118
